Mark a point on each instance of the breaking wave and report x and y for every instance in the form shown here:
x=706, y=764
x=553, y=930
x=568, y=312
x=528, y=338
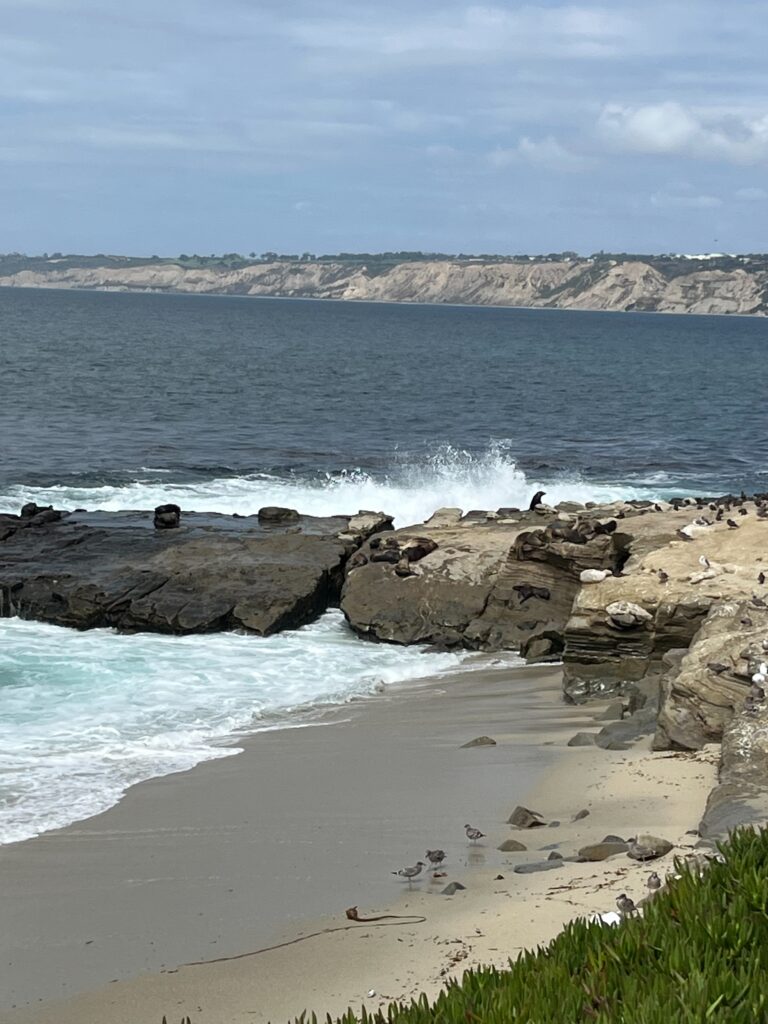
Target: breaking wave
x=411, y=490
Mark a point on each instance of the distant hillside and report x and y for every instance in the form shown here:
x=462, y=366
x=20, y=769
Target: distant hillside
x=621, y=282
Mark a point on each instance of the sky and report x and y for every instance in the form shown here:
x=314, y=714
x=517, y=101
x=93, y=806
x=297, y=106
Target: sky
x=169, y=126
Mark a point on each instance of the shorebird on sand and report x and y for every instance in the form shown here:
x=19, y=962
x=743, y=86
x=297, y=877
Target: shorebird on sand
x=626, y=905
x=473, y=834
x=435, y=857
x=411, y=873
x=653, y=883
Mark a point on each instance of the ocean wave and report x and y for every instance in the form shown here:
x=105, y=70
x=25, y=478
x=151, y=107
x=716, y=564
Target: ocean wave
x=86, y=715
x=411, y=490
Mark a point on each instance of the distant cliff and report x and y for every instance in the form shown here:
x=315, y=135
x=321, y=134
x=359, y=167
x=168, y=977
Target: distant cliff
x=665, y=284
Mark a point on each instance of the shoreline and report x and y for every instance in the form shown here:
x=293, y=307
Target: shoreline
x=376, y=302
x=388, y=781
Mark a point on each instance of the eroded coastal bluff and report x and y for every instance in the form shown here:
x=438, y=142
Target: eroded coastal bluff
x=735, y=285
x=663, y=605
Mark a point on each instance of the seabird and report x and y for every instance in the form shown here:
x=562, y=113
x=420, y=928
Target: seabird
x=410, y=873
x=536, y=500
x=654, y=882
x=663, y=576
x=626, y=905
x=717, y=667
x=682, y=535
x=732, y=525
x=703, y=560
x=435, y=857
x=743, y=512
x=761, y=578
x=758, y=602
x=473, y=834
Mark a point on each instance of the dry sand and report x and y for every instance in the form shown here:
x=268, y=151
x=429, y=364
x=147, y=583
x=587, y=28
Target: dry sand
x=276, y=843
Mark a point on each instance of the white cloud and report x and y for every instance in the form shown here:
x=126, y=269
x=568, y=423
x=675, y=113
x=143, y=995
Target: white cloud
x=546, y=152
x=466, y=34
x=720, y=134
x=684, y=197
x=751, y=195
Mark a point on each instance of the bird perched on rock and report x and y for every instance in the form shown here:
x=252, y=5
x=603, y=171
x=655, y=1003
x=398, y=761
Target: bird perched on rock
x=536, y=500
x=757, y=693
x=717, y=667
x=761, y=578
x=473, y=834
x=626, y=906
x=435, y=857
x=663, y=576
x=703, y=560
x=731, y=524
x=743, y=512
x=758, y=602
x=682, y=535
x=654, y=882
x=411, y=873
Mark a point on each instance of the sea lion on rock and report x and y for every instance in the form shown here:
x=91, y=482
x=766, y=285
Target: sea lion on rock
x=536, y=500
x=418, y=547
x=527, y=591
x=387, y=555
x=167, y=517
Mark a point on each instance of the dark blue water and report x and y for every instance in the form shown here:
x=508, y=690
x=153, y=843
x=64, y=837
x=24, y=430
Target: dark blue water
x=108, y=390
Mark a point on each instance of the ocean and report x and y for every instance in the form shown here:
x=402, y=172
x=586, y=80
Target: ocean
x=121, y=401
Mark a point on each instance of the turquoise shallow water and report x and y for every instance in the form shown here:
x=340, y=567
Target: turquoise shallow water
x=85, y=715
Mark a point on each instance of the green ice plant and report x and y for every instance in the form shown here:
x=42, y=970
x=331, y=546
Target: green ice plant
x=697, y=954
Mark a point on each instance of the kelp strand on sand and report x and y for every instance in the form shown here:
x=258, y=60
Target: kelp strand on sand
x=697, y=954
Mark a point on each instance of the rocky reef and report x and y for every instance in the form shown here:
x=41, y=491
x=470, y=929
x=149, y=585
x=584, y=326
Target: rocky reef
x=176, y=573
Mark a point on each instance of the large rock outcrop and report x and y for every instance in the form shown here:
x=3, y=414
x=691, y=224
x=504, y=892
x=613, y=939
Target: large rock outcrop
x=741, y=795
x=490, y=581
x=701, y=695
x=211, y=572
x=672, y=583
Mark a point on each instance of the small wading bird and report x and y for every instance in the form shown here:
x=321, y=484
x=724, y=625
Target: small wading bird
x=473, y=834
x=435, y=857
x=411, y=873
x=626, y=905
x=654, y=882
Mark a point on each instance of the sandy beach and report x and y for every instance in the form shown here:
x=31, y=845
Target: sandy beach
x=276, y=843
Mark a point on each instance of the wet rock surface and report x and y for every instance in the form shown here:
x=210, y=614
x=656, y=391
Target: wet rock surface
x=204, y=572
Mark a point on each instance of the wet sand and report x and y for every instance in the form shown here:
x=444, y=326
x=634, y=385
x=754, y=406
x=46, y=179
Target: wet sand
x=275, y=843
x=239, y=852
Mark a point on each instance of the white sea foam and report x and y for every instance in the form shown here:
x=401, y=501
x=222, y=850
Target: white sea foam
x=411, y=492
x=85, y=715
